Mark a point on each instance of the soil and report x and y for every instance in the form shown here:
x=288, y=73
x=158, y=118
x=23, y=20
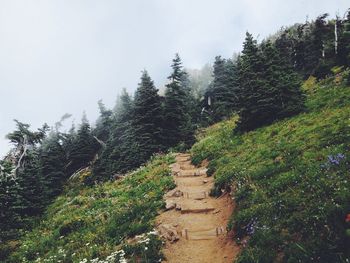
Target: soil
x=200, y=220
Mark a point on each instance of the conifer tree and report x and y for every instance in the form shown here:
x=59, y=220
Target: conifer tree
x=52, y=165
x=252, y=94
x=147, y=118
x=178, y=125
x=224, y=88
x=314, y=48
x=32, y=187
x=344, y=42
x=10, y=203
x=103, y=123
x=123, y=138
x=283, y=83
x=300, y=50
x=84, y=147
x=116, y=156
x=269, y=87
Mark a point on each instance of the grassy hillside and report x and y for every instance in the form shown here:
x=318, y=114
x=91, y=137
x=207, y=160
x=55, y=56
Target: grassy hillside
x=86, y=223
x=290, y=180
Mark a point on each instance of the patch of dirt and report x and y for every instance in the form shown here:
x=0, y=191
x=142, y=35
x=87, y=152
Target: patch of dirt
x=200, y=220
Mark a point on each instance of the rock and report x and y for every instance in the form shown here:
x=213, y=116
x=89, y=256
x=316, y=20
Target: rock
x=117, y=176
x=174, y=193
x=217, y=211
x=278, y=159
x=205, y=181
x=169, y=204
x=168, y=232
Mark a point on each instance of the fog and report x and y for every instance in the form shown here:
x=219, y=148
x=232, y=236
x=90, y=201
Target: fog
x=62, y=56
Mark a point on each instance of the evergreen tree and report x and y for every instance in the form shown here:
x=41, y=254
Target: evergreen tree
x=32, y=187
x=300, y=50
x=344, y=42
x=253, y=94
x=83, y=148
x=52, y=165
x=104, y=123
x=147, y=118
x=10, y=203
x=224, y=88
x=269, y=87
x=286, y=45
x=178, y=125
x=116, y=157
x=314, y=48
x=282, y=82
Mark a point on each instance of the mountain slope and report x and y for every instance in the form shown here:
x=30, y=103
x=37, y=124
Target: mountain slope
x=87, y=223
x=290, y=180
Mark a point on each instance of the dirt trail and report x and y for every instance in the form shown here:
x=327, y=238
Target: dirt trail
x=198, y=219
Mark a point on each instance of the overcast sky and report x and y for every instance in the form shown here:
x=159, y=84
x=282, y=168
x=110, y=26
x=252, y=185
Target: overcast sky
x=62, y=56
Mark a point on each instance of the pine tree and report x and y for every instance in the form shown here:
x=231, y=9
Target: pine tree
x=178, y=126
x=147, y=118
x=119, y=154
x=10, y=203
x=104, y=123
x=32, y=187
x=283, y=83
x=269, y=87
x=344, y=42
x=253, y=94
x=83, y=148
x=224, y=88
x=300, y=50
x=52, y=162
x=314, y=48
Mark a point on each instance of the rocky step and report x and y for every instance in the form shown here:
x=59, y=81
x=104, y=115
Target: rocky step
x=196, y=184
x=185, y=166
x=183, y=158
x=199, y=195
x=183, y=155
x=190, y=173
x=196, y=195
x=195, y=208
x=203, y=234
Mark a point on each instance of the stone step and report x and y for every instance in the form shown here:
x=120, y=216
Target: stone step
x=183, y=158
x=190, y=173
x=187, y=166
x=203, y=234
x=183, y=155
x=196, y=195
x=197, y=184
x=199, y=208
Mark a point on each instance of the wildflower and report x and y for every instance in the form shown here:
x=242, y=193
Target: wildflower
x=335, y=159
x=347, y=219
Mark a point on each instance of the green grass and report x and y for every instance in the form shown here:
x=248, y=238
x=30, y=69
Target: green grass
x=99, y=221
x=290, y=180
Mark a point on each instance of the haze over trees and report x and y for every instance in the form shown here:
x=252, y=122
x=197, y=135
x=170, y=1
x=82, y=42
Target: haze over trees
x=261, y=85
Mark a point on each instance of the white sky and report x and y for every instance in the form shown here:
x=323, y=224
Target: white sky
x=62, y=56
